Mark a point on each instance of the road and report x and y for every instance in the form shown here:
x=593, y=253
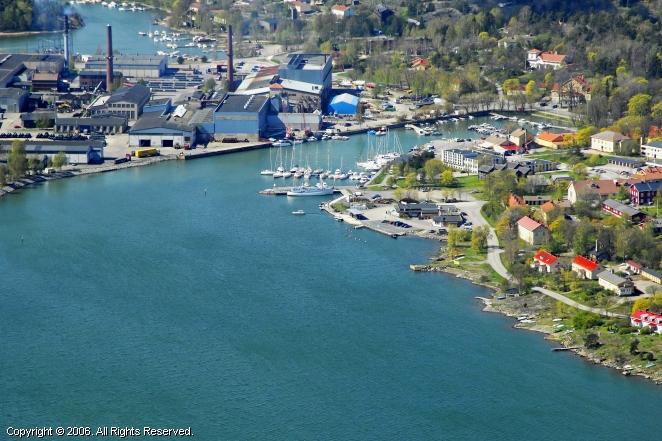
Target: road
x=570, y=302
x=472, y=209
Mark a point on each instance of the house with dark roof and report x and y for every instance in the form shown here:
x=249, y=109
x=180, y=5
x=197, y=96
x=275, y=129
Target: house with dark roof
x=615, y=283
x=107, y=124
x=644, y=193
x=414, y=209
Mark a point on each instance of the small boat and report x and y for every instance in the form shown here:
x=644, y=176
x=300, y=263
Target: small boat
x=142, y=34
x=281, y=143
x=298, y=213
x=267, y=172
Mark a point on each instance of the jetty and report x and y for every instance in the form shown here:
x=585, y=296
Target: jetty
x=282, y=191
x=419, y=130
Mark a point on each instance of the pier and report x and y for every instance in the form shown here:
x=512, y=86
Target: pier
x=282, y=191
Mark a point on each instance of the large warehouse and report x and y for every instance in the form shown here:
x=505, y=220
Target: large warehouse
x=156, y=130
x=242, y=116
x=135, y=66
x=77, y=152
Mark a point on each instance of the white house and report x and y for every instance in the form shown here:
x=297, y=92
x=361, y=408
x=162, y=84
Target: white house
x=542, y=59
x=616, y=284
x=652, y=151
x=607, y=141
x=545, y=262
x=531, y=231
x=341, y=11
x=642, y=319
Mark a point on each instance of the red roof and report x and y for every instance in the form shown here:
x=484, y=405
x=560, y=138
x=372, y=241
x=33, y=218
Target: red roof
x=550, y=57
x=528, y=224
x=545, y=257
x=646, y=316
x=340, y=7
x=585, y=263
x=633, y=264
x=550, y=137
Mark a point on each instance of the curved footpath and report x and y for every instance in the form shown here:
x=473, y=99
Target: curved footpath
x=570, y=302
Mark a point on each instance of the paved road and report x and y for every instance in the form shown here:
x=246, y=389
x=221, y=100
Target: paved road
x=493, y=250
x=570, y=302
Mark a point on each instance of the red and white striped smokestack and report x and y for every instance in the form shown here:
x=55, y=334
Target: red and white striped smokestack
x=230, y=58
x=109, y=58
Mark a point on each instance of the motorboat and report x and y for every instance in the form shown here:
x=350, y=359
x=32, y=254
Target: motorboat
x=267, y=172
x=282, y=143
x=320, y=189
x=298, y=213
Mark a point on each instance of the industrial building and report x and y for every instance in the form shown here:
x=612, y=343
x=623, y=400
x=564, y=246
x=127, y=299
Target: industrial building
x=14, y=65
x=77, y=152
x=154, y=129
x=95, y=79
x=13, y=100
x=107, y=124
x=135, y=66
x=309, y=68
x=125, y=101
x=242, y=116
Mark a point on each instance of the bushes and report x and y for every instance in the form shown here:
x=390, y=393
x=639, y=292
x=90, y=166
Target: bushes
x=586, y=320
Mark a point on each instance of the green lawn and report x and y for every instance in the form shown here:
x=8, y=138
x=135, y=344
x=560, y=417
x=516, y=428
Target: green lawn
x=469, y=182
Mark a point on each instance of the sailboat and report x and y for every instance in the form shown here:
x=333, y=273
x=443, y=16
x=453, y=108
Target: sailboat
x=269, y=171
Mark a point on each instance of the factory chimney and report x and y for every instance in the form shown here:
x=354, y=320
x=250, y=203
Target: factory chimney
x=109, y=58
x=230, y=59
x=66, y=41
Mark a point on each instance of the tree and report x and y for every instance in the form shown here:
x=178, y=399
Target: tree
x=579, y=170
x=634, y=347
x=447, y=178
x=3, y=174
x=583, y=135
x=209, y=85
x=17, y=161
x=452, y=240
x=591, y=341
x=180, y=60
x=432, y=168
x=59, y=160
x=639, y=105
x=479, y=238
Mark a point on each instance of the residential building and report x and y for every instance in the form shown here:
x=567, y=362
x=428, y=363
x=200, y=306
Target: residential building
x=448, y=219
x=543, y=59
x=420, y=63
x=465, y=160
x=520, y=137
x=623, y=211
x=615, y=283
x=652, y=275
x=634, y=267
x=549, y=139
x=601, y=188
x=585, y=268
x=531, y=231
x=572, y=92
x=125, y=101
x=649, y=174
x=607, y=141
x=545, y=262
x=644, y=193
x=515, y=200
x=654, y=223
x=501, y=145
x=644, y=319
x=536, y=200
x=341, y=11
x=242, y=116
x=652, y=151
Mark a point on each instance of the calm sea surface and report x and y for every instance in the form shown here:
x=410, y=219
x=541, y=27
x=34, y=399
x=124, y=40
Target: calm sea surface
x=133, y=298
x=91, y=38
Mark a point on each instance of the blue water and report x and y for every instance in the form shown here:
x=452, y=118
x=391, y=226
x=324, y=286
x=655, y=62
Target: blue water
x=91, y=38
x=135, y=298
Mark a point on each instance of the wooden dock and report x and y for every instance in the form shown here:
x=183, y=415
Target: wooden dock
x=282, y=191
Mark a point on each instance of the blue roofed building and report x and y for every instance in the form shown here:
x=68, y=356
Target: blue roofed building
x=344, y=104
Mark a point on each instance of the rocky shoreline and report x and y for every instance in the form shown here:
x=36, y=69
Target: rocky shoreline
x=511, y=306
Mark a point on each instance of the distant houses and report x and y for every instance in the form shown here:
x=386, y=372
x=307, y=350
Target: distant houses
x=647, y=319
x=652, y=150
x=341, y=11
x=601, y=188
